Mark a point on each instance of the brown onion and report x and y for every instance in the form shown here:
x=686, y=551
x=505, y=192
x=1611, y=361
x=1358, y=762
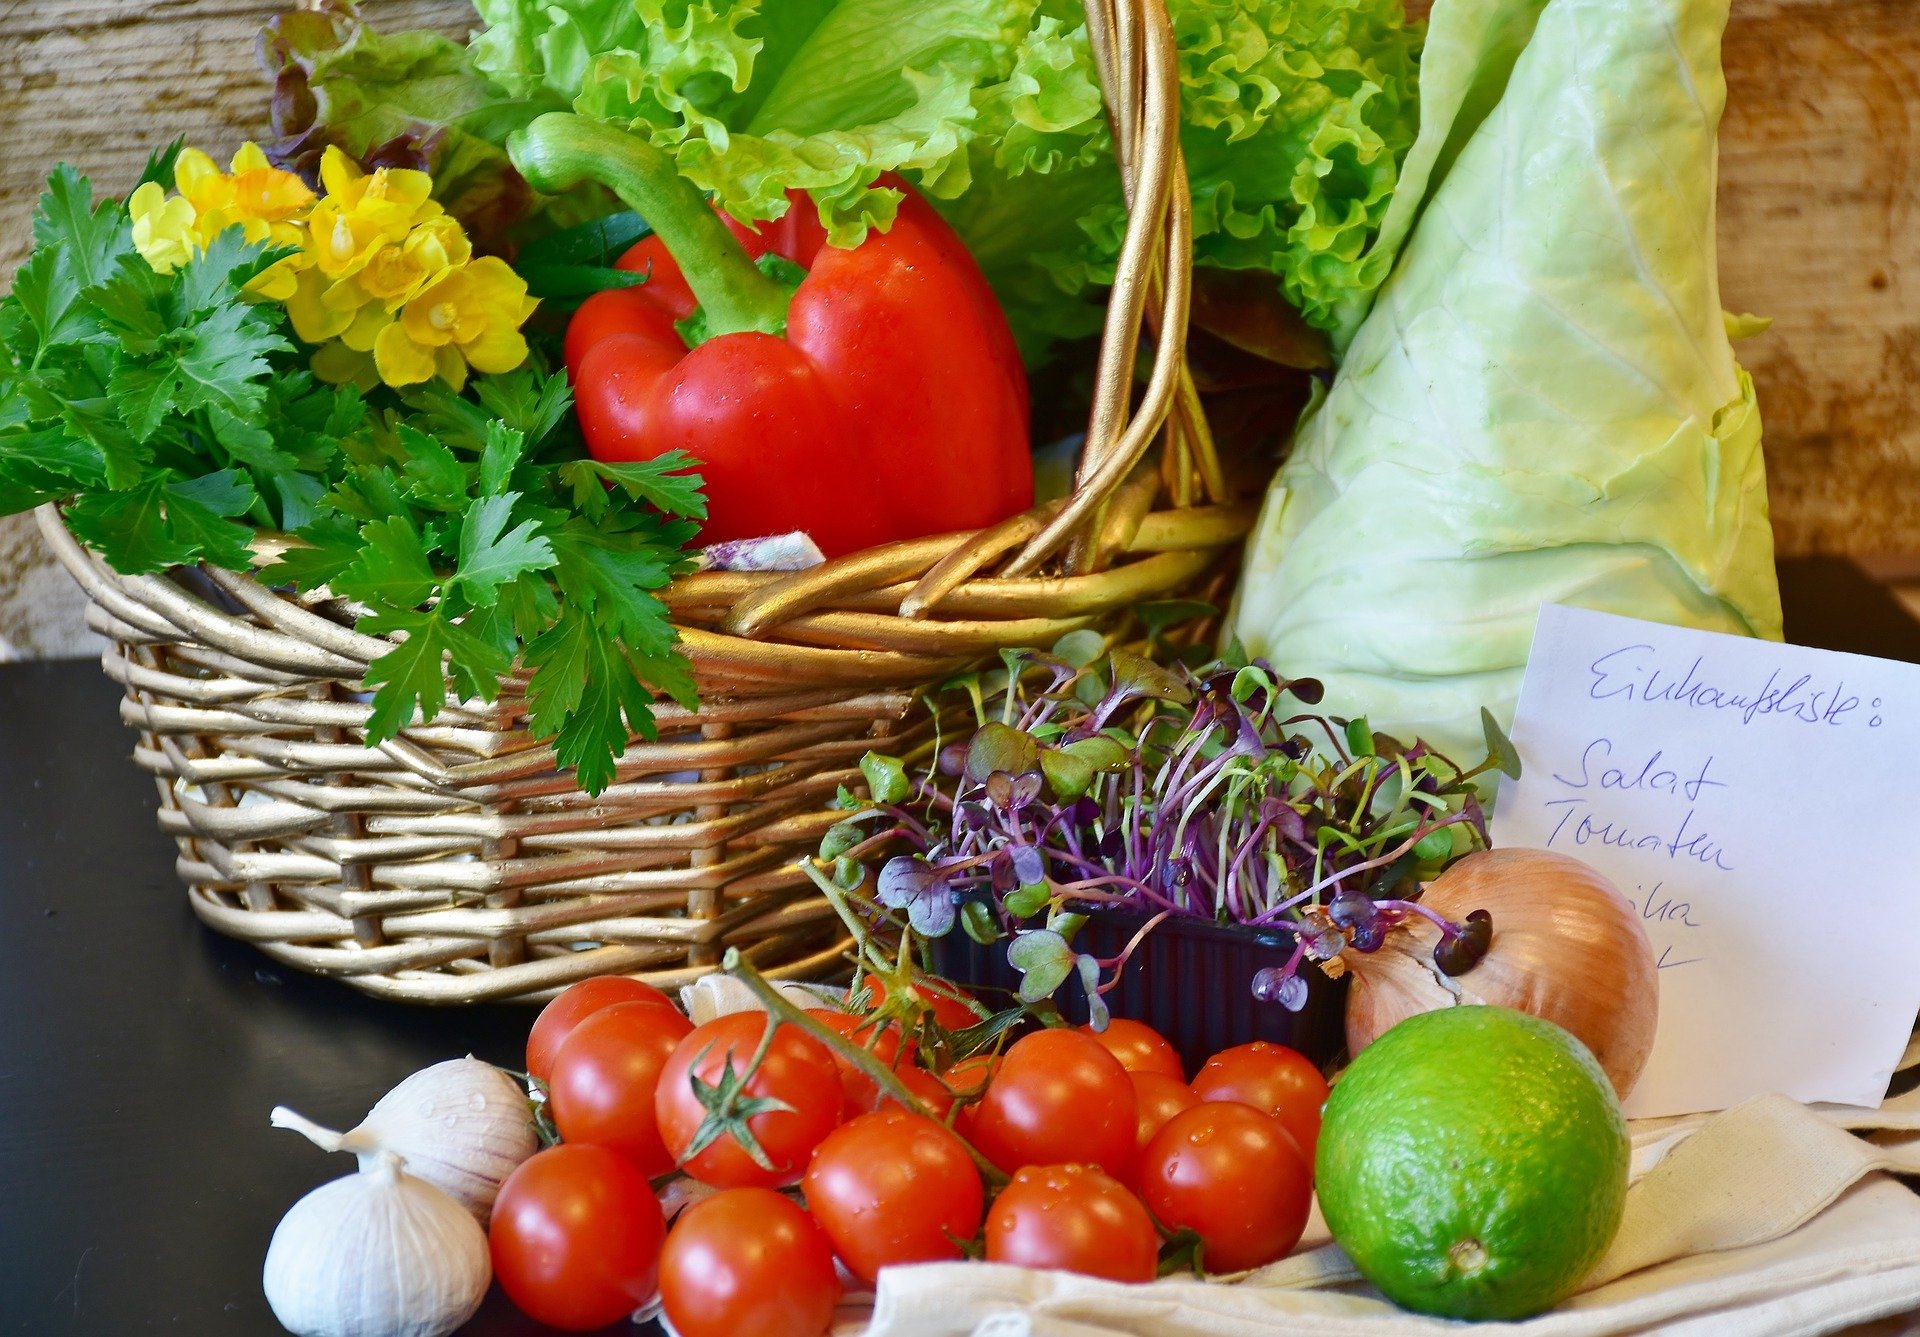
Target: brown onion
x=1567, y=946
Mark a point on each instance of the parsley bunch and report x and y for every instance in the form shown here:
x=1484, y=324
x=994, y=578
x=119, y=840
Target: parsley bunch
x=173, y=417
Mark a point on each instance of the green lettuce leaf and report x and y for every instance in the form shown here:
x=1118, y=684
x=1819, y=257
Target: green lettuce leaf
x=413, y=99
x=1543, y=406
x=1297, y=116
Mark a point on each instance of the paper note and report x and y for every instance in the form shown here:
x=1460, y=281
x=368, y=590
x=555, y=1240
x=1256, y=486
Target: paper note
x=1760, y=806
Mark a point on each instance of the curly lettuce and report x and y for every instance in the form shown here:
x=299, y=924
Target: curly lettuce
x=1543, y=405
x=1297, y=114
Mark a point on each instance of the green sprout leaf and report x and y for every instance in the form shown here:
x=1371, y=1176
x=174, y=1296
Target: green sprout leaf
x=1499, y=746
x=1044, y=961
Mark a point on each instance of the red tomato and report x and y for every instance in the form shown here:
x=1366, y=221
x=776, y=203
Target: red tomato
x=1058, y=1098
x=576, y=1237
x=884, y=1045
x=604, y=1078
x=1139, y=1047
x=1073, y=1218
x=1269, y=1077
x=748, y=1262
x=558, y=1018
x=1159, y=1097
x=892, y=1187
x=969, y=1077
x=952, y=1006
x=797, y=1070
x=920, y=1083
x=1234, y=1177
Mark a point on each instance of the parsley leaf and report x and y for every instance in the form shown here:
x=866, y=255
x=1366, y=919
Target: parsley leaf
x=490, y=557
x=392, y=570
x=91, y=236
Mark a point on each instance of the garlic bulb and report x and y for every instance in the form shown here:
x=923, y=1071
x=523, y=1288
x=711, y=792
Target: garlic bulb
x=1567, y=947
x=376, y=1254
x=462, y=1126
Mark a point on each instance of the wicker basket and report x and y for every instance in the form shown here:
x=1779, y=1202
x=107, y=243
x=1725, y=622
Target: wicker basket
x=455, y=864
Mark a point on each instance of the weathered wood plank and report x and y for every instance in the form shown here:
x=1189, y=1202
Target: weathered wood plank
x=1819, y=195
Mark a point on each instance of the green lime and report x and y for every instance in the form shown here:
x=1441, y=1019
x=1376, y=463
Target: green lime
x=1473, y=1163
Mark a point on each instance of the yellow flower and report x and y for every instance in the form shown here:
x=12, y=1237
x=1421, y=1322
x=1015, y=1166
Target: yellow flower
x=163, y=229
x=360, y=213
x=336, y=364
x=470, y=315
x=266, y=203
x=317, y=315
x=396, y=274
x=263, y=192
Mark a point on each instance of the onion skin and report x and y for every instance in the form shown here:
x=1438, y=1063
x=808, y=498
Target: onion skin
x=1567, y=947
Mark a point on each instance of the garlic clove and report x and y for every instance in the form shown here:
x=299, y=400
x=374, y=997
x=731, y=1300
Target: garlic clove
x=462, y=1126
x=380, y=1253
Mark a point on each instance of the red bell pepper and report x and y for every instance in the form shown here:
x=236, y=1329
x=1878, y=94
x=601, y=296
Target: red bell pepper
x=880, y=399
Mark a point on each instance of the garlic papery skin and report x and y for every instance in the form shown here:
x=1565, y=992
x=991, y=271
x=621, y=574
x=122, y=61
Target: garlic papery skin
x=462, y=1125
x=376, y=1254
x=1566, y=947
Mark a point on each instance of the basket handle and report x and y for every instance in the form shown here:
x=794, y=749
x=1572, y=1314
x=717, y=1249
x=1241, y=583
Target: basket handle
x=1134, y=49
x=1138, y=64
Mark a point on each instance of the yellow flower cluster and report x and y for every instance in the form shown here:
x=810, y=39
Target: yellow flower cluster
x=267, y=202
x=384, y=281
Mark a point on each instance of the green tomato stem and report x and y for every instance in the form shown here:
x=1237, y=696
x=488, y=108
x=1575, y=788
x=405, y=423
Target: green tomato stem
x=559, y=150
x=862, y=1058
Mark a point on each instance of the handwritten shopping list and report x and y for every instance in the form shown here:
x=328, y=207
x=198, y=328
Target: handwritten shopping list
x=1760, y=806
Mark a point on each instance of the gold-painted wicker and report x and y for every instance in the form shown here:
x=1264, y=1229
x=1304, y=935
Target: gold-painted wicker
x=454, y=864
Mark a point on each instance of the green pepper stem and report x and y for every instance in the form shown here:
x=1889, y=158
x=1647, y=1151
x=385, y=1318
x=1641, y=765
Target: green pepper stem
x=559, y=150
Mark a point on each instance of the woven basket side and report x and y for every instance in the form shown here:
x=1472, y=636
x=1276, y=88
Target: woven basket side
x=456, y=863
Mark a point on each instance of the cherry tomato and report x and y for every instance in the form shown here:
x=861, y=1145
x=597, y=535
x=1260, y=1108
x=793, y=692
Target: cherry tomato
x=952, y=1005
x=1233, y=1176
x=1158, y=1097
x=1058, y=1098
x=797, y=1070
x=921, y=1084
x=969, y=1077
x=1072, y=1218
x=558, y=1018
x=748, y=1262
x=576, y=1237
x=1139, y=1047
x=892, y=1187
x=1269, y=1077
x=883, y=1043
x=604, y=1078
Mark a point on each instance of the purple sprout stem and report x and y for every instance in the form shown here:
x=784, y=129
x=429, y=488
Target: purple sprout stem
x=1118, y=964
x=1338, y=875
x=1448, y=929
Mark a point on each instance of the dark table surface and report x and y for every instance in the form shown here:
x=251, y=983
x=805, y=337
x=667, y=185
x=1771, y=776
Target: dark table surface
x=140, y=1053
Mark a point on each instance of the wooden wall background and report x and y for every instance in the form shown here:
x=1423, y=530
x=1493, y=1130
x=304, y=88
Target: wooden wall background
x=1819, y=196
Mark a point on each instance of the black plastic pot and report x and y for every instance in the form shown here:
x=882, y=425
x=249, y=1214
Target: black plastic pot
x=1188, y=979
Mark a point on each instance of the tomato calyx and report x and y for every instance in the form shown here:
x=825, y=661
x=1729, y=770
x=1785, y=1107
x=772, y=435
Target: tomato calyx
x=729, y=1108
x=1183, y=1254
x=782, y=1011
